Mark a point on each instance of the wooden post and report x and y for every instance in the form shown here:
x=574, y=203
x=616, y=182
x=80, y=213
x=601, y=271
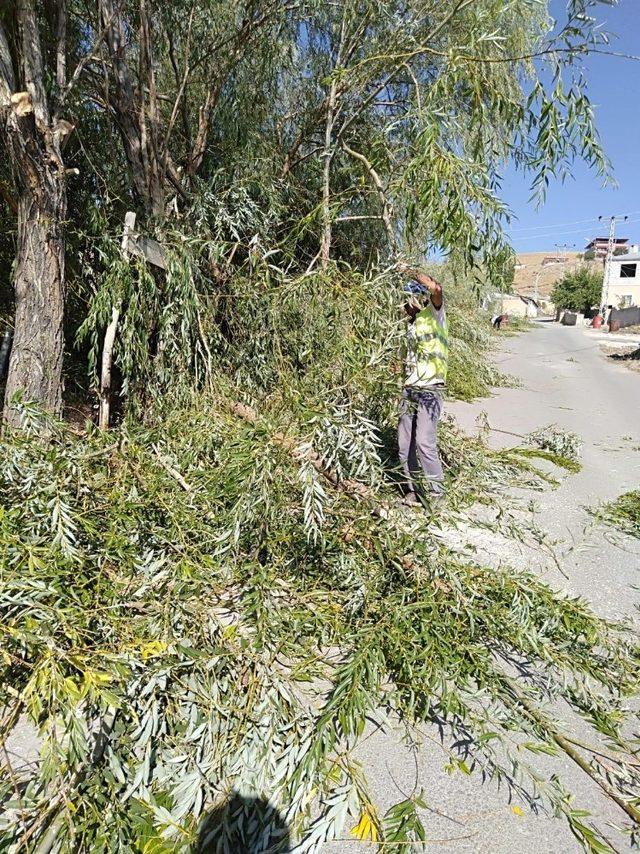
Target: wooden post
x=110, y=337
x=105, y=373
x=154, y=253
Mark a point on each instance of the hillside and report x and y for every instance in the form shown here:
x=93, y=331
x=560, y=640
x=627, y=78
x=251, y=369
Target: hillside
x=525, y=276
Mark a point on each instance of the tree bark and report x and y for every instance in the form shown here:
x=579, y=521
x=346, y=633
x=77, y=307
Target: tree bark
x=32, y=139
x=387, y=209
x=35, y=367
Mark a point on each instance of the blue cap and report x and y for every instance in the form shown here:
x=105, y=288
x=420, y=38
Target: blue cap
x=414, y=287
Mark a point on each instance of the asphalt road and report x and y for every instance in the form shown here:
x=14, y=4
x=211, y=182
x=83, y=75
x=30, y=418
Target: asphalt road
x=564, y=379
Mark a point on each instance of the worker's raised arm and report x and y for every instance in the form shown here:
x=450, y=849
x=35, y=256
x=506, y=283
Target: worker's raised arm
x=434, y=287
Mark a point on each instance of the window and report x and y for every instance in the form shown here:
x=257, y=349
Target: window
x=628, y=271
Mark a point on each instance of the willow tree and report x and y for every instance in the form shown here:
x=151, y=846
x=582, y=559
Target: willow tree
x=33, y=131
x=414, y=109
x=161, y=73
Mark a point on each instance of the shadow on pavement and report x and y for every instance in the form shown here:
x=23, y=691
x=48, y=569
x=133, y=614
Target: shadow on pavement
x=244, y=825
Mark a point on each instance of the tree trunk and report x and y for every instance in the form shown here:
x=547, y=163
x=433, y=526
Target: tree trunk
x=35, y=368
x=33, y=141
x=329, y=148
x=138, y=130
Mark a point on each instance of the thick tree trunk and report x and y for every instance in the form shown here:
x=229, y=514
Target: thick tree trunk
x=32, y=134
x=35, y=368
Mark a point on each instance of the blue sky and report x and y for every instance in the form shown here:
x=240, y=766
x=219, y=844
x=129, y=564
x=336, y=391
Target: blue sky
x=571, y=210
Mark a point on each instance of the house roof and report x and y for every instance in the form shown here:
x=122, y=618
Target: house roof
x=606, y=240
x=630, y=256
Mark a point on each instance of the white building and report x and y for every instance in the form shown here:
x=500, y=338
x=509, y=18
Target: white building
x=515, y=305
x=624, y=280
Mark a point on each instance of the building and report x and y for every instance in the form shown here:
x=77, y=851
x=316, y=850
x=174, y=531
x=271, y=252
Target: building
x=554, y=259
x=515, y=305
x=599, y=245
x=624, y=280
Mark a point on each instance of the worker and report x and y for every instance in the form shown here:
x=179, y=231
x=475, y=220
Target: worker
x=426, y=373
x=499, y=320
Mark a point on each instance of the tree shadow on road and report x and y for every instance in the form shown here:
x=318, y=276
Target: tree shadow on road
x=244, y=825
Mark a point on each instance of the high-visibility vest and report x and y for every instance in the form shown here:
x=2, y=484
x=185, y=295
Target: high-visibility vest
x=431, y=348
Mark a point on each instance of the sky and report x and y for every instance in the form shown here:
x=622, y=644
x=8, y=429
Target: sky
x=570, y=213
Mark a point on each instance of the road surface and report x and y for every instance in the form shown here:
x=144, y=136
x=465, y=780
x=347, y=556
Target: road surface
x=565, y=379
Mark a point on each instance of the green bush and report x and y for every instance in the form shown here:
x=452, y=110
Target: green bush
x=578, y=290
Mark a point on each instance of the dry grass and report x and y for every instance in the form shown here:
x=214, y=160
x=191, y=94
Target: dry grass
x=525, y=276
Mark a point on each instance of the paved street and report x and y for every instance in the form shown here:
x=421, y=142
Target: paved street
x=566, y=380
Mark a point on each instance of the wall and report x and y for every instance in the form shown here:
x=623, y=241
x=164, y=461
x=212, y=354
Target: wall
x=620, y=288
x=626, y=316
x=516, y=307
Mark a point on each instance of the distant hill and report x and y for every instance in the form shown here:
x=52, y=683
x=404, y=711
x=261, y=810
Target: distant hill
x=529, y=264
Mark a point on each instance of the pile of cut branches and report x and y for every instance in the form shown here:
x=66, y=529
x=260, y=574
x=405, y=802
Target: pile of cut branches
x=200, y=614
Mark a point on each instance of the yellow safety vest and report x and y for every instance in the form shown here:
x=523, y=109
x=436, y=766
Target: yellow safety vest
x=430, y=339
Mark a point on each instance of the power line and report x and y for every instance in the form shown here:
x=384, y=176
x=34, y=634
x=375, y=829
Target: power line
x=563, y=224
x=551, y=234
x=557, y=225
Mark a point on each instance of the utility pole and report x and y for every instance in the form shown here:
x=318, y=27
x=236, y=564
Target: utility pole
x=564, y=246
x=607, y=264
x=535, y=289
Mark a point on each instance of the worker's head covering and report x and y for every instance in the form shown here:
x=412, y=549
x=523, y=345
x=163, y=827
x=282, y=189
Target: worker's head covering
x=416, y=288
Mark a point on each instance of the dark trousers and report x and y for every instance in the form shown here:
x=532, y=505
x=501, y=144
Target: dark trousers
x=417, y=439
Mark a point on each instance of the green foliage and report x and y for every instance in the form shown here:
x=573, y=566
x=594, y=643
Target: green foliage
x=578, y=290
x=191, y=613
x=557, y=441
x=623, y=513
x=191, y=609
x=431, y=103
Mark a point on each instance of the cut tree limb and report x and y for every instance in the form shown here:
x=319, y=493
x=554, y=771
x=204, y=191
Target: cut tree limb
x=352, y=488
x=571, y=751
x=110, y=337
x=357, y=490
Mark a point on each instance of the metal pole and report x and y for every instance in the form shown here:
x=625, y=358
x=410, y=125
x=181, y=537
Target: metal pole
x=535, y=289
x=565, y=246
x=607, y=264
